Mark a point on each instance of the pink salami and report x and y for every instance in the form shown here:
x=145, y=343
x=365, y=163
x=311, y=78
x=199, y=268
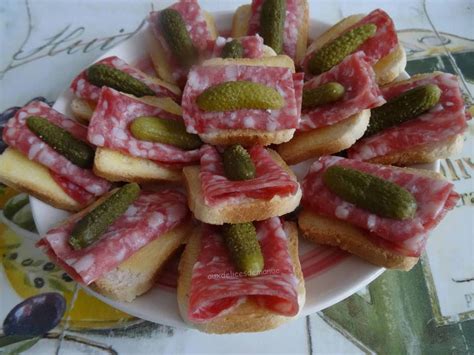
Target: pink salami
x=109, y=128
x=150, y=216
x=252, y=46
x=361, y=92
x=281, y=79
x=383, y=42
x=293, y=22
x=17, y=135
x=434, y=198
x=87, y=91
x=443, y=121
x=271, y=179
x=216, y=287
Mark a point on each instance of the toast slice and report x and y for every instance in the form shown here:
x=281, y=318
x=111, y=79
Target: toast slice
x=248, y=316
x=246, y=210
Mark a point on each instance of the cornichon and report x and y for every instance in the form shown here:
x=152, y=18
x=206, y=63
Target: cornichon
x=105, y=75
x=402, y=108
x=372, y=193
x=173, y=29
x=324, y=94
x=335, y=51
x=155, y=129
x=90, y=228
x=73, y=149
x=237, y=95
x=272, y=22
x=241, y=241
x=15, y=204
x=232, y=49
x=237, y=163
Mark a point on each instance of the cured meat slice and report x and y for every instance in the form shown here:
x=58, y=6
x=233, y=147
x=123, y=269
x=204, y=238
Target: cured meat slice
x=149, y=217
x=17, y=135
x=271, y=179
x=75, y=191
x=362, y=92
x=293, y=22
x=443, y=121
x=216, y=287
x=109, y=128
x=252, y=46
x=434, y=198
x=383, y=42
x=87, y=91
x=281, y=79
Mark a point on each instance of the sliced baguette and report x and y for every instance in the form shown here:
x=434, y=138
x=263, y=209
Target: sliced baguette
x=246, y=210
x=82, y=109
x=248, y=316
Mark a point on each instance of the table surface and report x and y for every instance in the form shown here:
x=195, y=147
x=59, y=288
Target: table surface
x=430, y=309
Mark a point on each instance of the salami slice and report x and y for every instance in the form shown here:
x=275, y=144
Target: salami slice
x=150, y=216
x=434, y=198
x=382, y=43
x=361, y=92
x=75, y=191
x=293, y=22
x=271, y=179
x=252, y=46
x=87, y=91
x=281, y=79
x=109, y=128
x=442, y=122
x=217, y=288
x=17, y=135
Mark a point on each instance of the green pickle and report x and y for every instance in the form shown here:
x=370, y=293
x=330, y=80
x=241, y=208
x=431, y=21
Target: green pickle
x=402, y=108
x=232, y=49
x=90, y=228
x=173, y=29
x=237, y=95
x=335, y=51
x=324, y=94
x=241, y=241
x=237, y=163
x=155, y=129
x=73, y=149
x=105, y=75
x=370, y=192
x=272, y=23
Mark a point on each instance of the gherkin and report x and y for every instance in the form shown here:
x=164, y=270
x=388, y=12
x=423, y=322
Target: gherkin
x=323, y=94
x=238, y=164
x=233, y=49
x=272, y=23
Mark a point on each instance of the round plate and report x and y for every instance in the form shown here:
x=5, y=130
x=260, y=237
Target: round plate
x=327, y=286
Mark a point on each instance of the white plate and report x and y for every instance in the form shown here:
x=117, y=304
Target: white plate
x=159, y=304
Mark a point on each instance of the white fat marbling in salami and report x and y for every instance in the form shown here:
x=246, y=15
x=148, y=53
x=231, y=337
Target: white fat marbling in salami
x=361, y=92
x=150, y=216
x=252, y=46
x=434, y=199
x=109, y=128
x=289, y=85
x=445, y=120
x=216, y=286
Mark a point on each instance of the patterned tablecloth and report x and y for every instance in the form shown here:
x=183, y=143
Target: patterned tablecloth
x=427, y=310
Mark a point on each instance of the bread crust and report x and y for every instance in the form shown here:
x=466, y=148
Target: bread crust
x=247, y=137
x=248, y=316
x=82, y=109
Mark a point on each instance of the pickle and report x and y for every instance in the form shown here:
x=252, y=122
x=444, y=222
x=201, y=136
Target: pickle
x=237, y=163
x=272, y=23
x=155, y=129
x=232, y=49
x=324, y=94
x=241, y=241
x=378, y=196
x=15, y=204
x=73, y=149
x=105, y=75
x=90, y=228
x=335, y=51
x=173, y=29
x=237, y=95
x=402, y=108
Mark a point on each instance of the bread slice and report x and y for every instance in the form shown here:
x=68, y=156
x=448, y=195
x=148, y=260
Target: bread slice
x=326, y=140
x=282, y=61
x=138, y=273
x=386, y=69
x=248, y=316
x=240, y=24
x=82, y=109
x=246, y=210
x=25, y=175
